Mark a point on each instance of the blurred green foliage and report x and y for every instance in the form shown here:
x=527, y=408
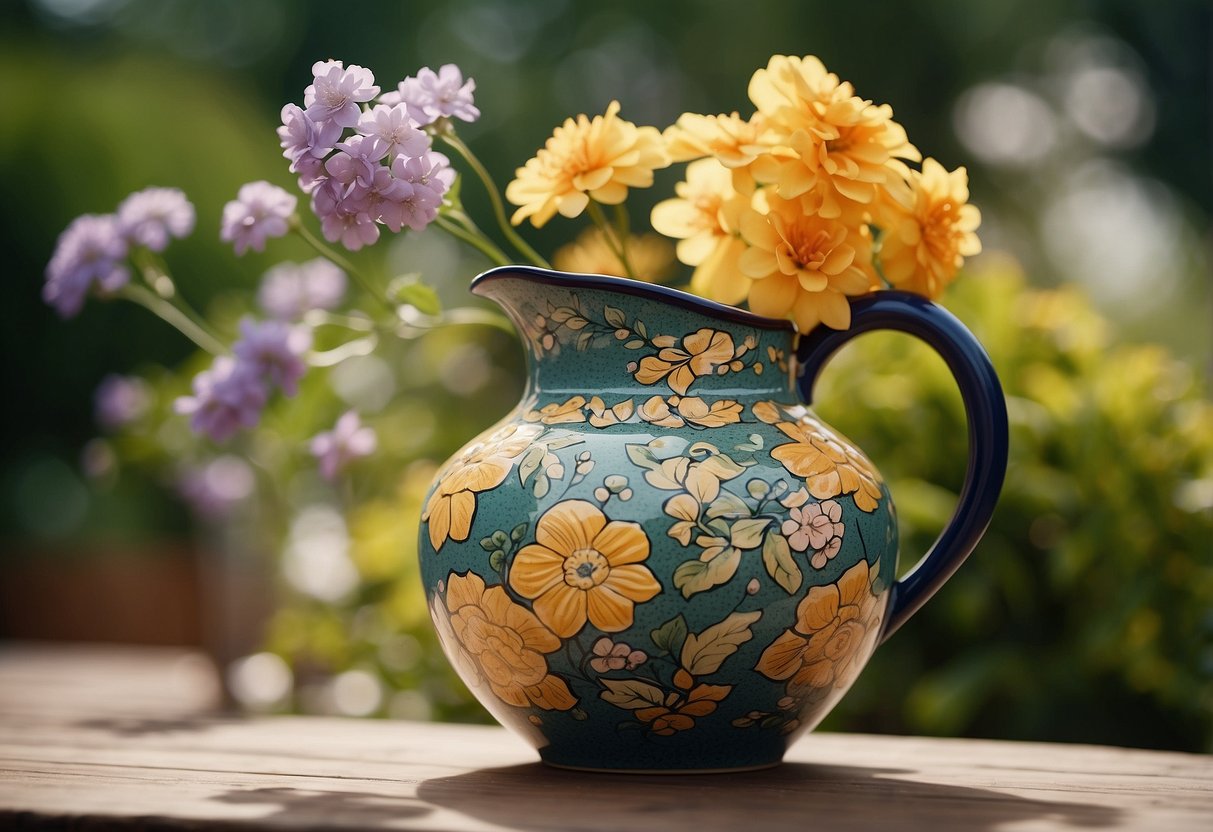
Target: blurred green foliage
x=1086, y=613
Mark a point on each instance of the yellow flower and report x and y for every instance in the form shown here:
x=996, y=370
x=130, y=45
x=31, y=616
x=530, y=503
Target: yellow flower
x=828, y=467
x=493, y=640
x=559, y=413
x=803, y=265
x=835, y=632
x=583, y=567
x=706, y=220
x=651, y=256
x=833, y=149
x=586, y=159
x=929, y=230
x=731, y=139
x=478, y=467
x=701, y=353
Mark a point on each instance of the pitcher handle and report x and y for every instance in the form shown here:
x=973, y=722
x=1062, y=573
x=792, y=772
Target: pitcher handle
x=986, y=412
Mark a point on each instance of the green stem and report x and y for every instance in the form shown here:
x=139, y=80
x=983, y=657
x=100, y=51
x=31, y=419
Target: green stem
x=476, y=241
x=472, y=316
x=608, y=234
x=332, y=256
x=172, y=315
x=624, y=229
x=448, y=136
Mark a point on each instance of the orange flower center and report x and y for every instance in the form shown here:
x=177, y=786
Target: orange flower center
x=586, y=569
x=806, y=247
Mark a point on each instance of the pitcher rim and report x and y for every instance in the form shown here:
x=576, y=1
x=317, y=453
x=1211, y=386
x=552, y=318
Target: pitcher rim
x=629, y=286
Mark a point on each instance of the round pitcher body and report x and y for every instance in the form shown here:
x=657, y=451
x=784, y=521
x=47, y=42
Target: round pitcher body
x=658, y=561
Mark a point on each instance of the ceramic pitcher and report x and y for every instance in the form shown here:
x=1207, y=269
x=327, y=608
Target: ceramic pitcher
x=661, y=559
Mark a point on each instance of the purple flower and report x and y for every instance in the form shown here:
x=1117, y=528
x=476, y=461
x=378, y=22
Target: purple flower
x=336, y=92
x=227, y=397
x=121, y=400
x=356, y=161
x=150, y=217
x=259, y=211
x=214, y=489
x=353, y=229
x=274, y=351
x=387, y=200
x=436, y=95
x=427, y=176
x=91, y=249
x=302, y=138
x=394, y=127
x=288, y=290
x=347, y=441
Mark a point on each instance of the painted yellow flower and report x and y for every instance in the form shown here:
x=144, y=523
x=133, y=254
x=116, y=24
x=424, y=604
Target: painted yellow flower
x=833, y=149
x=700, y=354
x=480, y=466
x=586, y=159
x=652, y=257
x=828, y=467
x=583, y=567
x=705, y=218
x=929, y=230
x=803, y=265
x=835, y=632
x=559, y=413
x=497, y=642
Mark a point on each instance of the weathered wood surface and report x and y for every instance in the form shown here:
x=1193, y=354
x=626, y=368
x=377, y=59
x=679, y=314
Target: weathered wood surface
x=101, y=738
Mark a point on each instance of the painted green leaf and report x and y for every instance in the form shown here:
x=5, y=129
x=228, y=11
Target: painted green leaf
x=703, y=653
x=519, y=531
x=487, y=544
x=669, y=636
x=697, y=575
x=642, y=457
x=614, y=316
x=632, y=694
x=497, y=560
x=530, y=462
x=728, y=505
x=781, y=566
x=747, y=534
x=542, y=486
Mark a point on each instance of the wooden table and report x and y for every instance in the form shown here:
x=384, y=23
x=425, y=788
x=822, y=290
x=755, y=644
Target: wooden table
x=125, y=738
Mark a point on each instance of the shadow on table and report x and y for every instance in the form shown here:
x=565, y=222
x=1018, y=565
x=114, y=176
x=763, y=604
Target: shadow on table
x=794, y=795
x=318, y=810
x=124, y=726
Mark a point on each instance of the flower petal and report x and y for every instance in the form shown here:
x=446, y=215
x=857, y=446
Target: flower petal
x=562, y=608
x=535, y=570
x=569, y=526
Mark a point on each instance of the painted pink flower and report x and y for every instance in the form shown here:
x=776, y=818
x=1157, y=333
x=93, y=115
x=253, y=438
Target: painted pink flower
x=816, y=526
x=610, y=655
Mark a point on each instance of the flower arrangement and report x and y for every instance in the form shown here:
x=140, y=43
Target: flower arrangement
x=808, y=201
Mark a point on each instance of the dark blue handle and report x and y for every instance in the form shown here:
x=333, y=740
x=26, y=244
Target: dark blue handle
x=985, y=408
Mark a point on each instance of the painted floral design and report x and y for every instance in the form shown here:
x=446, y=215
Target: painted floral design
x=835, y=630
x=611, y=655
x=584, y=567
x=701, y=353
x=479, y=467
x=828, y=467
x=496, y=642
x=816, y=526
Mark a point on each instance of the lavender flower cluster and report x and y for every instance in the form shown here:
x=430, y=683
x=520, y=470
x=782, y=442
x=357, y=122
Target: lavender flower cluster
x=95, y=248
x=386, y=172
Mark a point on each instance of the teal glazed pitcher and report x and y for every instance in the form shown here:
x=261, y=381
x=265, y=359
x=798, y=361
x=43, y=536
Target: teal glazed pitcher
x=661, y=560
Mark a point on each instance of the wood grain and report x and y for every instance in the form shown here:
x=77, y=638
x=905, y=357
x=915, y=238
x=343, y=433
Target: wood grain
x=117, y=738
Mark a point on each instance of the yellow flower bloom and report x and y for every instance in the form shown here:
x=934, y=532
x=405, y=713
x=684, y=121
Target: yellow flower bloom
x=652, y=257
x=803, y=265
x=733, y=141
x=583, y=567
x=478, y=467
x=833, y=149
x=929, y=230
x=828, y=467
x=701, y=353
x=835, y=632
x=706, y=220
x=497, y=642
x=586, y=159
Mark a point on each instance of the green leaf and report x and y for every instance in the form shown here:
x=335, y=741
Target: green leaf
x=728, y=505
x=542, y=486
x=747, y=534
x=704, y=653
x=519, y=531
x=669, y=636
x=487, y=544
x=614, y=316
x=642, y=457
x=500, y=538
x=634, y=344
x=419, y=295
x=632, y=694
x=497, y=560
x=698, y=575
x=530, y=462
x=781, y=566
